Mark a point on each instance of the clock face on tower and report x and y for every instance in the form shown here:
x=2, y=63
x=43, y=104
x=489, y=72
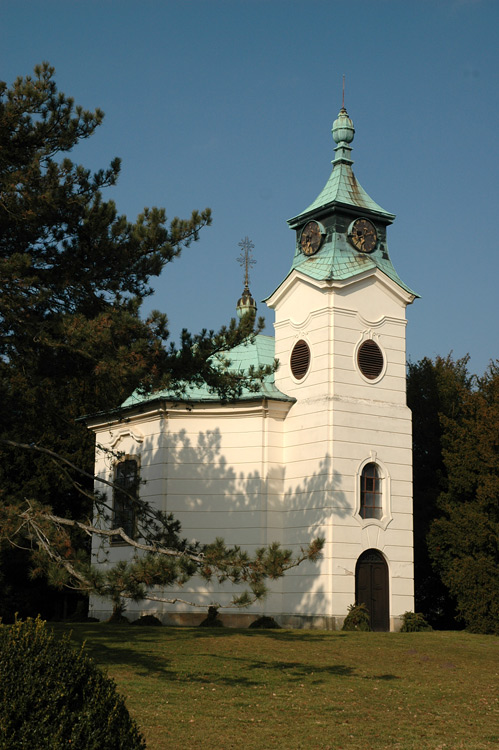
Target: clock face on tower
x=311, y=237
x=362, y=235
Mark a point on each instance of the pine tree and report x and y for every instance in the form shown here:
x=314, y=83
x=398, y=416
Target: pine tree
x=74, y=273
x=464, y=540
x=435, y=389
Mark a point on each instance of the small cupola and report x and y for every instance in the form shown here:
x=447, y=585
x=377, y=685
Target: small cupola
x=246, y=303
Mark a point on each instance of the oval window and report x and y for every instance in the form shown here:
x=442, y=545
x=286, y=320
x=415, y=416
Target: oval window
x=370, y=359
x=300, y=359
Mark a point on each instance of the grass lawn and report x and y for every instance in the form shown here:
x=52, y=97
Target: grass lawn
x=224, y=689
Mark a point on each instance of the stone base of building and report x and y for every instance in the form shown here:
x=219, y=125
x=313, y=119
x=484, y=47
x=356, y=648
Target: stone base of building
x=242, y=619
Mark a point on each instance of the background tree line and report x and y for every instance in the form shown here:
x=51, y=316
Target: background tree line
x=456, y=492
x=74, y=273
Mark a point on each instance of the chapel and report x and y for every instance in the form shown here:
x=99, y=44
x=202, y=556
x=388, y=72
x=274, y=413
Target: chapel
x=322, y=449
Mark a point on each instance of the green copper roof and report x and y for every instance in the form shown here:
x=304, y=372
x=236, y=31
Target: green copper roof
x=342, y=187
x=261, y=351
x=337, y=260
x=342, y=194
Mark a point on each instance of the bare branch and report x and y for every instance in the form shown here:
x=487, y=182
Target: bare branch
x=58, y=459
x=91, y=530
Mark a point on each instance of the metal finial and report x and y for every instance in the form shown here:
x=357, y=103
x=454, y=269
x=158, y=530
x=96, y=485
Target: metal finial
x=245, y=258
x=343, y=95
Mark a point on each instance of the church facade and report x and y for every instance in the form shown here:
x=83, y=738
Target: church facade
x=323, y=449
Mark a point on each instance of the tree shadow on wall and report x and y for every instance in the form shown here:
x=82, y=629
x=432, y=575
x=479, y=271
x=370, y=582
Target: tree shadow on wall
x=200, y=478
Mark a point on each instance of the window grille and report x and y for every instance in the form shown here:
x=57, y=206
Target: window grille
x=300, y=359
x=370, y=359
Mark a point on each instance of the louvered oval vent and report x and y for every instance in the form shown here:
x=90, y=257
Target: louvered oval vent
x=300, y=359
x=370, y=359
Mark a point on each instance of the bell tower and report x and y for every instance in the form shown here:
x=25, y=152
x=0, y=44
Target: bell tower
x=340, y=341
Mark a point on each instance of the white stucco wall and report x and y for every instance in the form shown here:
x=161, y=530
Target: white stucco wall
x=342, y=420
x=259, y=472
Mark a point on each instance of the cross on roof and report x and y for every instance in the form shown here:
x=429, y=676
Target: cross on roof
x=245, y=259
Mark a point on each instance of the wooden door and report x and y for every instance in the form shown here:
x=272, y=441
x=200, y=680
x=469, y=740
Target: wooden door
x=371, y=588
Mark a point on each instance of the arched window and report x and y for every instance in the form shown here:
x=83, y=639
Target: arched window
x=371, y=501
x=127, y=478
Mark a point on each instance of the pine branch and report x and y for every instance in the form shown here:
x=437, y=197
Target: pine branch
x=60, y=459
x=218, y=562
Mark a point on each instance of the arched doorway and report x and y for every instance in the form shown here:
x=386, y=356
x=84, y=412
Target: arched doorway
x=371, y=587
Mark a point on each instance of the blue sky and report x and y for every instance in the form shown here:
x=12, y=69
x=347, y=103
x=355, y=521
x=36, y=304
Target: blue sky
x=229, y=104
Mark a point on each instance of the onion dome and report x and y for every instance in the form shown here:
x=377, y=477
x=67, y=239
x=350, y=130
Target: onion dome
x=245, y=303
x=343, y=130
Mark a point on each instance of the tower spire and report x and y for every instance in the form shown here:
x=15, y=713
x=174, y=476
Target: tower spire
x=246, y=303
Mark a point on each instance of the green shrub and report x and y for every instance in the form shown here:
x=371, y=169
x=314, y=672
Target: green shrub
x=264, y=622
x=414, y=622
x=147, y=620
x=357, y=618
x=212, y=620
x=52, y=696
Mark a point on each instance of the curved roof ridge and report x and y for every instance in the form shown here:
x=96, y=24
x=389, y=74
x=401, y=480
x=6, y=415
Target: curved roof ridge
x=259, y=351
